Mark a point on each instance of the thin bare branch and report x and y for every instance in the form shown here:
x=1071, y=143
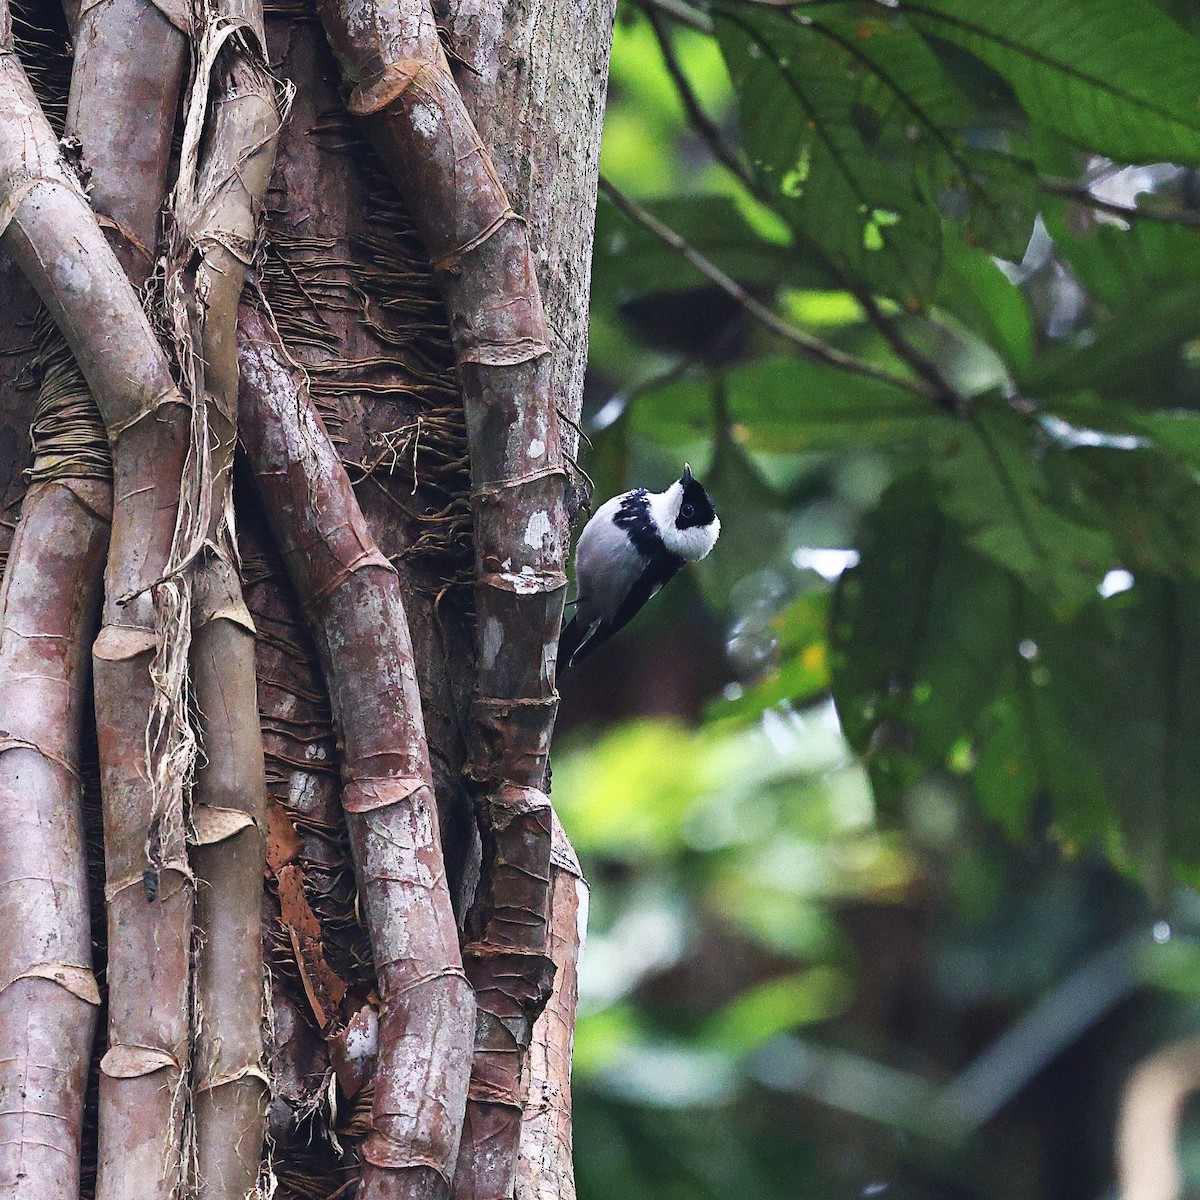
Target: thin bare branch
x=811, y=346
x=1081, y=193
x=704, y=125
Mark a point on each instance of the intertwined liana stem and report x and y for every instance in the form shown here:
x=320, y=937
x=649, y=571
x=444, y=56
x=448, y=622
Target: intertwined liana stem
x=53, y=235
x=228, y=150
x=52, y=601
x=403, y=89
x=49, y=605
x=125, y=82
x=358, y=621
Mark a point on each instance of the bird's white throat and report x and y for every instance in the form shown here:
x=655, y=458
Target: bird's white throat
x=690, y=544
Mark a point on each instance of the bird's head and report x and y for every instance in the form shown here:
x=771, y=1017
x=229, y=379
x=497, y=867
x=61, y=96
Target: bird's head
x=695, y=525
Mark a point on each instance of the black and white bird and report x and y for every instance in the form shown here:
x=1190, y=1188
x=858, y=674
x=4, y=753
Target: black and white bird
x=635, y=543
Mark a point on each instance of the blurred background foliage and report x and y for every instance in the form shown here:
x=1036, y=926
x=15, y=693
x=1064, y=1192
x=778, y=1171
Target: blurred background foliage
x=891, y=807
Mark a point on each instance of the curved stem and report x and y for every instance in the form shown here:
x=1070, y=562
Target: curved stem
x=361, y=629
x=390, y=53
x=49, y=606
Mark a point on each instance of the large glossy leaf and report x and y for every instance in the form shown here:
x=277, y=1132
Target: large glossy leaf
x=827, y=140
x=942, y=661
x=1129, y=472
x=1115, y=76
x=789, y=405
x=860, y=133
x=1147, y=499
x=992, y=482
x=959, y=144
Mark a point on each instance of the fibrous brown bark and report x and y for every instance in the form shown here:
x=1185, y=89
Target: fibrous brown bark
x=361, y=630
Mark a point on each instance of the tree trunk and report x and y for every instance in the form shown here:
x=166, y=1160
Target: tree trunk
x=404, y=491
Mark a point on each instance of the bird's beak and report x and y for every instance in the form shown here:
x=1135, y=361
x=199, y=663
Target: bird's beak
x=687, y=475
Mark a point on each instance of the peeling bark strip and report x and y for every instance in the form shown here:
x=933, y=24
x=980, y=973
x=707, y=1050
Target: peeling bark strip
x=49, y=605
x=402, y=86
x=361, y=630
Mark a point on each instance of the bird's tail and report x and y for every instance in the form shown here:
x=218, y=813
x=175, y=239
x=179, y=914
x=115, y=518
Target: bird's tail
x=568, y=642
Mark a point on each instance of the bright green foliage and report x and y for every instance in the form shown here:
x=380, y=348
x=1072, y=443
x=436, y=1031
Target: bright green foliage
x=896, y=151
x=1000, y=195
x=1115, y=77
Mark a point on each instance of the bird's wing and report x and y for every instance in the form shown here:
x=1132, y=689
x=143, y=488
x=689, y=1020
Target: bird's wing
x=648, y=584
x=606, y=566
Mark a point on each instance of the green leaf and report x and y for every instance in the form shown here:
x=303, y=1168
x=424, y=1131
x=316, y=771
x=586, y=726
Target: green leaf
x=789, y=405
x=980, y=295
x=1114, y=76
x=1006, y=774
x=994, y=486
x=827, y=140
x=944, y=661
x=1177, y=432
x=957, y=150
x=1139, y=682
x=1146, y=499
x=919, y=631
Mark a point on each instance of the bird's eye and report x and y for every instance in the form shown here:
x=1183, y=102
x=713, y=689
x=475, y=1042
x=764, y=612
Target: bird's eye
x=688, y=510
